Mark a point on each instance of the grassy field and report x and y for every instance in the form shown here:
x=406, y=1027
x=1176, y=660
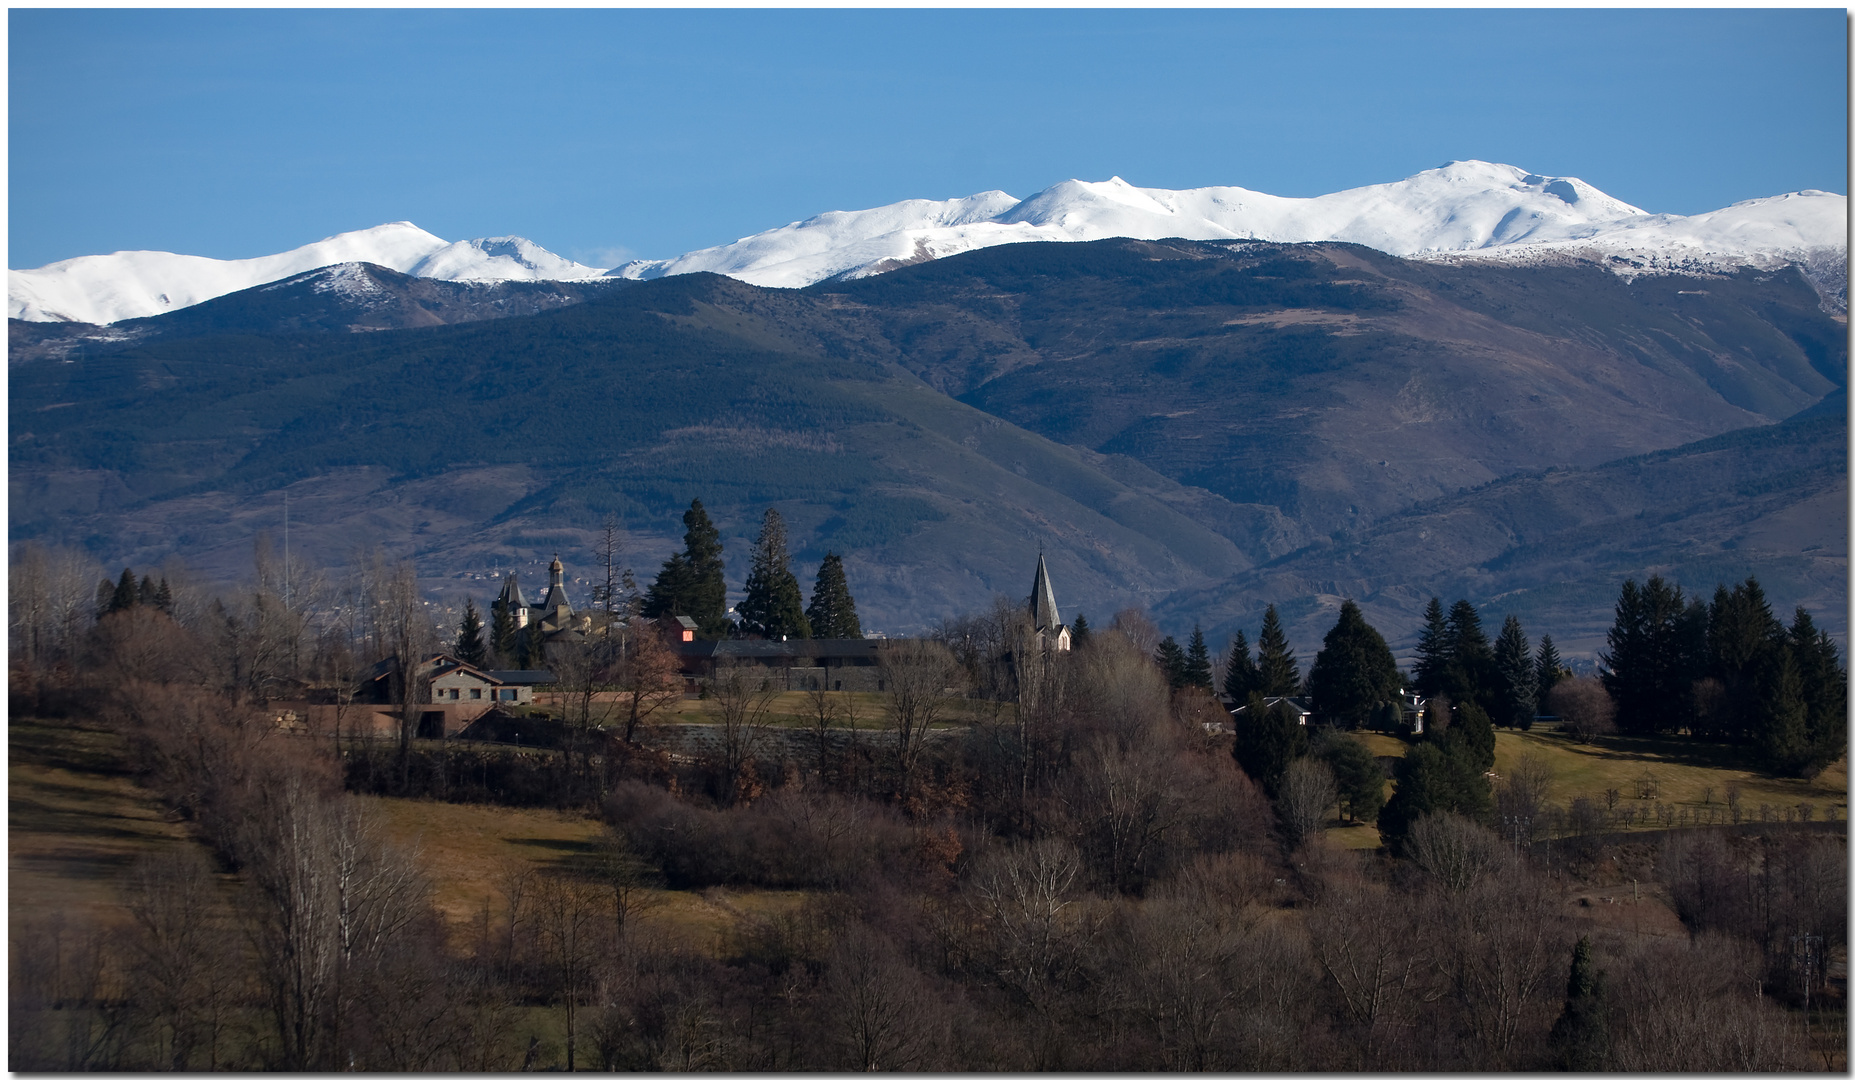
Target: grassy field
x=1683, y=774
x=792, y=708
x=76, y=820
x=469, y=849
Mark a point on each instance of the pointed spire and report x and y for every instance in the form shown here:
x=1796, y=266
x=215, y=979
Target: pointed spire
x=512, y=598
x=1043, y=599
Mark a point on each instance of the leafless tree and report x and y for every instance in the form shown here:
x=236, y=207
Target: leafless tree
x=918, y=675
x=646, y=674
x=1133, y=624
x=886, y=1017
x=1119, y=804
x=183, y=968
x=1521, y=798
x=744, y=697
x=567, y=918
x=1025, y=898
x=1362, y=940
x=630, y=884
x=1308, y=790
x=1453, y=850
x=1584, y=707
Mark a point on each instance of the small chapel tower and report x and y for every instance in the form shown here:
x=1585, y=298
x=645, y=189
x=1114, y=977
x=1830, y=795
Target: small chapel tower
x=1051, y=633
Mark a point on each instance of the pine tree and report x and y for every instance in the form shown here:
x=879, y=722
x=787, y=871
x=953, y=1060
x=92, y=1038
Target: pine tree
x=1470, y=674
x=1353, y=673
x=106, y=594
x=1171, y=661
x=1240, y=675
x=1657, y=648
x=691, y=581
x=1781, y=717
x=470, y=648
x=1432, y=651
x=145, y=592
x=833, y=612
x=1275, y=662
x=773, y=606
x=1519, y=686
x=1580, y=1038
x=1079, y=633
x=1470, y=736
x=1267, y=739
x=503, y=632
x=125, y=595
x=1741, y=636
x=1356, y=773
x=1197, y=661
x=1548, y=669
x=1432, y=779
x=1825, y=690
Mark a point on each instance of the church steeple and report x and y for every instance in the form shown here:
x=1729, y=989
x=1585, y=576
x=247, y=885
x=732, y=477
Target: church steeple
x=1043, y=599
x=1048, y=625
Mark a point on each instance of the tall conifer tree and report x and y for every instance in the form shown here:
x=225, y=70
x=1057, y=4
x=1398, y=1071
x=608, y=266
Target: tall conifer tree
x=1513, y=662
x=1275, y=661
x=773, y=606
x=1240, y=676
x=1171, y=661
x=1548, y=669
x=470, y=648
x=1354, y=672
x=833, y=611
x=1197, y=661
x=1429, y=671
x=691, y=581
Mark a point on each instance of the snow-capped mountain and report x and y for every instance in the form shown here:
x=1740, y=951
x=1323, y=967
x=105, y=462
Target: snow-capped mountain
x=1492, y=211
x=1462, y=210
x=135, y=284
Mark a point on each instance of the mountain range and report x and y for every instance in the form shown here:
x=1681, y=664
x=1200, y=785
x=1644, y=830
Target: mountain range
x=1462, y=210
x=1198, y=427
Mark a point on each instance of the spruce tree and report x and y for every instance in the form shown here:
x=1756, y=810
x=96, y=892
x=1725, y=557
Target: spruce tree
x=1427, y=673
x=106, y=595
x=1267, y=739
x=773, y=606
x=125, y=595
x=1825, y=690
x=145, y=592
x=1548, y=669
x=1275, y=663
x=1781, y=715
x=1240, y=675
x=1171, y=661
x=1656, y=650
x=1470, y=736
x=470, y=648
x=1742, y=634
x=1519, y=685
x=1079, y=633
x=1470, y=674
x=1197, y=661
x=1432, y=779
x=1353, y=673
x=503, y=631
x=833, y=612
x=1355, y=773
x=164, y=598
x=1580, y=1038
x=691, y=581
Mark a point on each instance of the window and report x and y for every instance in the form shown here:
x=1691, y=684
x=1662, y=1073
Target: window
x=508, y=695
x=476, y=694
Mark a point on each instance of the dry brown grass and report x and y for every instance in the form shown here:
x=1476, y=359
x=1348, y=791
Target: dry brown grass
x=467, y=848
x=76, y=820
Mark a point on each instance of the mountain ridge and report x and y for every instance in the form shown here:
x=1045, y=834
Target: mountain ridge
x=1464, y=209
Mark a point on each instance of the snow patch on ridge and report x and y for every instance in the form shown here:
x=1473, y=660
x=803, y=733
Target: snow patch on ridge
x=1459, y=211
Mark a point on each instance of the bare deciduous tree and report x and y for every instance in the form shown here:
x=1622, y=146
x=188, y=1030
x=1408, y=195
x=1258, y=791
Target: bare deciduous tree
x=1584, y=707
x=1308, y=790
x=568, y=923
x=744, y=697
x=918, y=675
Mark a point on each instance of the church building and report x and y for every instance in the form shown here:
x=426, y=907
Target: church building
x=1051, y=633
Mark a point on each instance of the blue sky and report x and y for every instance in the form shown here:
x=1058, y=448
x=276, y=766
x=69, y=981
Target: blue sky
x=608, y=134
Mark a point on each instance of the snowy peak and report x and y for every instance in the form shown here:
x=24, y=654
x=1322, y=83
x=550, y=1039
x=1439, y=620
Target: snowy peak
x=500, y=258
x=136, y=284
x=1459, y=210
